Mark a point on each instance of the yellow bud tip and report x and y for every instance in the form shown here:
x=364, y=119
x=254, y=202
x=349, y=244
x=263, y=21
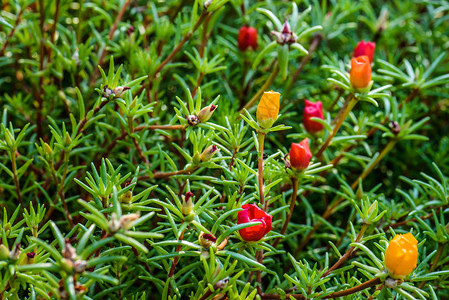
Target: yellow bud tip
x=268, y=109
x=401, y=256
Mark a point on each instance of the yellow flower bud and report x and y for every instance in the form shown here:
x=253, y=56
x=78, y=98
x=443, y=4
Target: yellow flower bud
x=401, y=255
x=268, y=109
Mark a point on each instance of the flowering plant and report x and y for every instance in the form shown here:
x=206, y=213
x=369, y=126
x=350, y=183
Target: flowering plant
x=224, y=149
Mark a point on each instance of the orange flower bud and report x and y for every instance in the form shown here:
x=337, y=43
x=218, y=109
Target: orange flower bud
x=268, y=109
x=401, y=255
x=360, y=74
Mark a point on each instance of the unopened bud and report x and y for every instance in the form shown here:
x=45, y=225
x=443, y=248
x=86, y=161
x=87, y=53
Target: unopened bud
x=395, y=128
x=120, y=91
x=106, y=91
x=130, y=30
x=391, y=283
x=67, y=139
x=286, y=36
x=359, y=193
x=15, y=253
x=221, y=284
x=206, y=240
x=4, y=252
x=30, y=257
x=80, y=266
x=208, y=153
x=187, y=204
x=372, y=210
x=126, y=221
x=10, y=141
x=76, y=57
x=192, y=120
x=126, y=197
x=207, y=3
x=47, y=149
x=66, y=265
x=69, y=251
x=205, y=114
x=114, y=224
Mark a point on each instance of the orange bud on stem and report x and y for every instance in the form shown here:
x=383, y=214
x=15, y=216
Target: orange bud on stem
x=360, y=74
x=401, y=255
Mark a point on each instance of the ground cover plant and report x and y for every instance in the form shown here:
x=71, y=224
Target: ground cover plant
x=224, y=149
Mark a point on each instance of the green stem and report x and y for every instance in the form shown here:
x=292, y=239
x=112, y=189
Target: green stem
x=136, y=143
x=61, y=189
x=348, y=253
x=371, y=167
x=337, y=126
x=175, y=261
x=290, y=213
x=14, y=173
x=370, y=283
x=162, y=175
x=262, y=89
x=330, y=209
x=261, y=139
x=358, y=288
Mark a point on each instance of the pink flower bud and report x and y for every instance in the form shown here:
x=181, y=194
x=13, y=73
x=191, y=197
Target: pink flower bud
x=365, y=48
x=313, y=110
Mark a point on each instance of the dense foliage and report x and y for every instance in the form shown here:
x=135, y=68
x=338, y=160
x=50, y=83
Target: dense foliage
x=132, y=135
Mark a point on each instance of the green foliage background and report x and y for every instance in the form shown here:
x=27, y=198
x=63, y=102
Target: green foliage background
x=64, y=137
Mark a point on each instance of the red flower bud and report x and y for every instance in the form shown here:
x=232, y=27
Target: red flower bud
x=313, y=110
x=247, y=38
x=360, y=74
x=365, y=48
x=300, y=155
x=250, y=214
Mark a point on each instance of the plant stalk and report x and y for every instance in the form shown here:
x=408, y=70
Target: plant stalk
x=261, y=139
x=262, y=89
x=330, y=209
x=15, y=178
x=337, y=126
x=358, y=288
x=348, y=253
x=315, y=42
x=290, y=213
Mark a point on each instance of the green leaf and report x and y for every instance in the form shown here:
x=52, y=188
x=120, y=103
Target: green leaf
x=242, y=258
